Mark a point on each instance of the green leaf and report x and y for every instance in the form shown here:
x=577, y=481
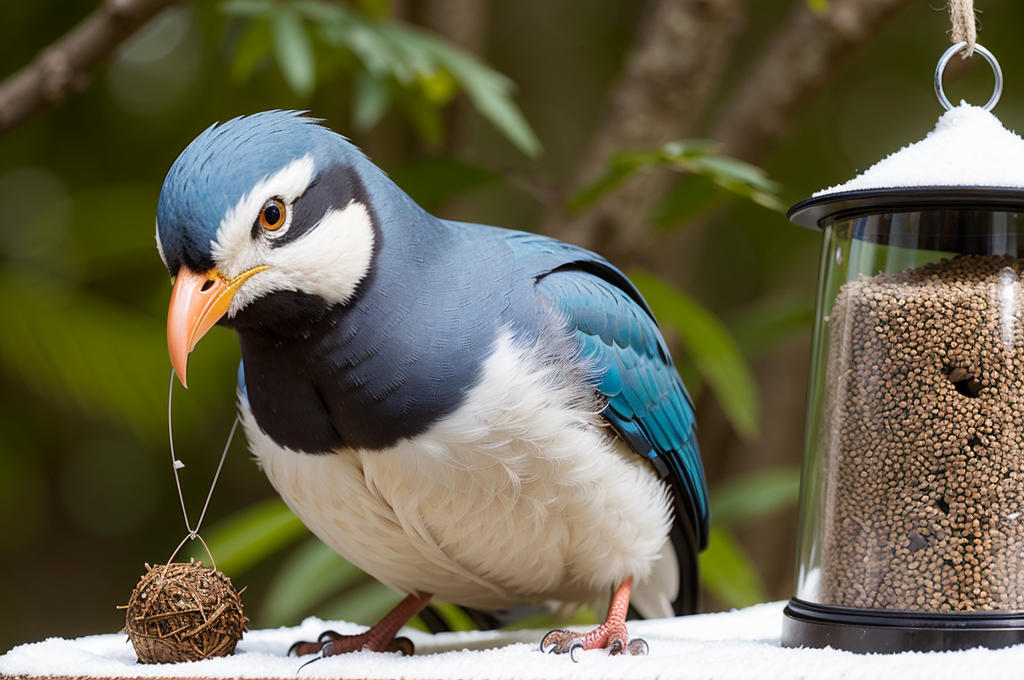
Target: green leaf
x=738, y=177
x=819, y=7
x=252, y=50
x=624, y=164
x=372, y=47
x=694, y=156
x=729, y=169
x=439, y=87
x=690, y=198
x=424, y=116
x=419, y=61
x=728, y=572
x=755, y=495
x=375, y=9
x=317, y=10
x=769, y=323
x=621, y=166
x=370, y=99
x=410, y=48
x=456, y=618
x=713, y=350
x=490, y=92
x=247, y=8
x=312, y=573
x=294, y=51
x=250, y=536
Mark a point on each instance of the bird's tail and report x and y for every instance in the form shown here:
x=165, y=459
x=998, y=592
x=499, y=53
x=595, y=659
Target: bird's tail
x=684, y=540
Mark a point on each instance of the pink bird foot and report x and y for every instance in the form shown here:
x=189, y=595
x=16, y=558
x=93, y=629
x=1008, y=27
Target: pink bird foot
x=610, y=635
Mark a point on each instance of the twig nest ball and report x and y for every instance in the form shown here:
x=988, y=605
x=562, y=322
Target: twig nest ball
x=184, y=612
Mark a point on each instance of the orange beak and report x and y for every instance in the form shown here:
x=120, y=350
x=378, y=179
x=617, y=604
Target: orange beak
x=198, y=301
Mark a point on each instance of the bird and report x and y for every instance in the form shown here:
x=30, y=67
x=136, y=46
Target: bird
x=484, y=416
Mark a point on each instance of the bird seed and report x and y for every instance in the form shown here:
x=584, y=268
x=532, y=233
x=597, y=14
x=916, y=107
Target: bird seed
x=923, y=440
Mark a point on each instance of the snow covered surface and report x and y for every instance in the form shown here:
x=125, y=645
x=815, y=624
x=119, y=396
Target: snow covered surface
x=968, y=147
x=740, y=644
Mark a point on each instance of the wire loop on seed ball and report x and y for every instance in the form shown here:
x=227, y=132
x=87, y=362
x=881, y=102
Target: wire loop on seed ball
x=183, y=611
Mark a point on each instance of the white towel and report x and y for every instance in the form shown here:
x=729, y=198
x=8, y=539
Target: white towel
x=740, y=644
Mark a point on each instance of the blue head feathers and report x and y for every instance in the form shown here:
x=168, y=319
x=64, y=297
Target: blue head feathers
x=223, y=164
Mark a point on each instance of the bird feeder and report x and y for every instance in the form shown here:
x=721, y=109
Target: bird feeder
x=912, y=493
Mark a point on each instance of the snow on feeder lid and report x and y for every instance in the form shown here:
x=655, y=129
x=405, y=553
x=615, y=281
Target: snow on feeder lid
x=912, y=513
x=968, y=159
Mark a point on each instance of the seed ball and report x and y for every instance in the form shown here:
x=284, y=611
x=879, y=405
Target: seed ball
x=184, y=612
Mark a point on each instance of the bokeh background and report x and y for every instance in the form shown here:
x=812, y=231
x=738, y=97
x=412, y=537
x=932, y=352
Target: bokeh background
x=86, y=490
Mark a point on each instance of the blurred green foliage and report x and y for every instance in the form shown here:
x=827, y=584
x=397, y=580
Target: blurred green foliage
x=86, y=496
x=390, y=63
x=696, y=157
x=711, y=349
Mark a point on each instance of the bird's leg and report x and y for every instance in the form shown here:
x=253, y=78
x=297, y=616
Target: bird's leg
x=610, y=635
x=380, y=637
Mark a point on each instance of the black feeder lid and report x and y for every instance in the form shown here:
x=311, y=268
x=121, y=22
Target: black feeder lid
x=825, y=209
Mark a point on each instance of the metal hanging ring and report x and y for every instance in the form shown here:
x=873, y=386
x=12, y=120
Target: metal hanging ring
x=989, y=57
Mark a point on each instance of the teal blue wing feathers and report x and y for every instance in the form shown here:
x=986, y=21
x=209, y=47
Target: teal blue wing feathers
x=647, y=403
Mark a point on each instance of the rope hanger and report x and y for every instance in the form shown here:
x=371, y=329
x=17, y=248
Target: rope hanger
x=961, y=14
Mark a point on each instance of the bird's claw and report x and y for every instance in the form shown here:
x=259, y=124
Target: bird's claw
x=303, y=648
x=568, y=642
x=328, y=636
x=331, y=643
x=402, y=645
x=557, y=641
x=637, y=647
x=621, y=645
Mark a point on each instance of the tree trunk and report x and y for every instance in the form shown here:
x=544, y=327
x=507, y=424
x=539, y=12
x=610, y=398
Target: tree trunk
x=679, y=51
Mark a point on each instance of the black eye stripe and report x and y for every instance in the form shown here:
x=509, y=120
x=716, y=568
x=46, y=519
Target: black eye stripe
x=333, y=188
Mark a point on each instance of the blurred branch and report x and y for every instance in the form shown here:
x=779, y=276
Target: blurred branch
x=461, y=22
x=63, y=68
x=680, y=48
x=802, y=59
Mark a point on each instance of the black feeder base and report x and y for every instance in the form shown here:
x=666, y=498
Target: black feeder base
x=868, y=631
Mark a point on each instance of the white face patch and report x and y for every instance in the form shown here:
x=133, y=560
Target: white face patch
x=234, y=249
x=329, y=260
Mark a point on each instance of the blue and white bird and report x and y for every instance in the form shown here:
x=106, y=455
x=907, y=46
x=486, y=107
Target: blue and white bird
x=484, y=416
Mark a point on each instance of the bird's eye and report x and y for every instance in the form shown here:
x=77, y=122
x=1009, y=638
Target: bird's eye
x=272, y=215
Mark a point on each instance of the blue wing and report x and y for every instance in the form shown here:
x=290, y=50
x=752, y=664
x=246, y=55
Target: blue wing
x=647, y=402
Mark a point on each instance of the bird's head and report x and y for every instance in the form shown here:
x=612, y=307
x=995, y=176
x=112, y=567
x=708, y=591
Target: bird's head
x=261, y=219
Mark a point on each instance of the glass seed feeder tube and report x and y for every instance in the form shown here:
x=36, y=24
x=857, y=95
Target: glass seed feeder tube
x=912, y=492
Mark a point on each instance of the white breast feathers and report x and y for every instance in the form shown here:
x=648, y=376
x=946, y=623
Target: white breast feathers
x=520, y=496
